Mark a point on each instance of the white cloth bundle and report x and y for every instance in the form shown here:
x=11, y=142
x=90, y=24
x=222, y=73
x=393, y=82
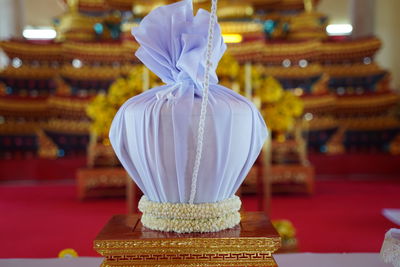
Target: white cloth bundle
x=154, y=134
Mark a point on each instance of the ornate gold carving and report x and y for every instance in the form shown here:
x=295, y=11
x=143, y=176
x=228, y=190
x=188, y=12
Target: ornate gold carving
x=192, y=259
x=191, y=256
x=266, y=263
x=250, y=244
x=189, y=244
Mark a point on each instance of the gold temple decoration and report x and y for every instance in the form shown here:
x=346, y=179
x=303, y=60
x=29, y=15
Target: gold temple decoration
x=142, y=8
x=308, y=6
x=73, y=5
x=47, y=148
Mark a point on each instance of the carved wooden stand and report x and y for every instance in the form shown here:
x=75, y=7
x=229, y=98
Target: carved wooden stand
x=124, y=241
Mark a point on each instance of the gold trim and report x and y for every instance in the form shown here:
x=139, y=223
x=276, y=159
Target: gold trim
x=95, y=49
x=28, y=72
x=31, y=50
x=353, y=70
x=67, y=103
x=78, y=36
x=370, y=123
x=68, y=126
x=187, y=245
x=316, y=102
x=14, y=128
x=349, y=47
x=293, y=72
x=241, y=27
x=90, y=73
x=235, y=10
x=268, y=262
x=201, y=259
x=275, y=52
x=278, y=49
x=120, y=4
x=23, y=105
x=320, y=123
x=368, y=101
x=305, y=49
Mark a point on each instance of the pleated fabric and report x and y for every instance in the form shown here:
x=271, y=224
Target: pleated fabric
x=154, y=134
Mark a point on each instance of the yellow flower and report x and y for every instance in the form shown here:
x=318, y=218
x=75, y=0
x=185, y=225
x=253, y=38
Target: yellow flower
x=271, y=90
x=228, y=66
x=293, y=104
x=285, y=228
x=96, y=105
x=277, y=119
x=119, y=92
x=103, y=107
x=280, y=107
x=68, y=253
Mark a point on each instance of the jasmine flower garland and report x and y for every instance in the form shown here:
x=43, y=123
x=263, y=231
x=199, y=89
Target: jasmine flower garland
x=186, y=218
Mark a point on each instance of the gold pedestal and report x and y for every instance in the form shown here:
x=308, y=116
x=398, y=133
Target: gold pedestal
x=124, y=241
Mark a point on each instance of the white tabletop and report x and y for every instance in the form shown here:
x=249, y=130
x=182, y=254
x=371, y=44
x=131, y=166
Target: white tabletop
x=283, y=260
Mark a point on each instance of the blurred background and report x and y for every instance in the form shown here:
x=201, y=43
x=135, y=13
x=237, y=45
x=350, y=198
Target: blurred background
x=324, y=74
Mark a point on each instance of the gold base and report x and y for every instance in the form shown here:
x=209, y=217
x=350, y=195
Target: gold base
x=271, y=262
x=125, y=242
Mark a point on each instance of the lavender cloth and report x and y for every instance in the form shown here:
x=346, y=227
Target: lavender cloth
x=155, y=133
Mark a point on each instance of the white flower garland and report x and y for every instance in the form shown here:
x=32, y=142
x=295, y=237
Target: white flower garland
x=189, y=218
x=390, y=251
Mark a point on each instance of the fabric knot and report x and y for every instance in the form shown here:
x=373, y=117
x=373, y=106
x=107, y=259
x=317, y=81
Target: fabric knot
x=183, y=77
x=173, y=44
x=169, y=94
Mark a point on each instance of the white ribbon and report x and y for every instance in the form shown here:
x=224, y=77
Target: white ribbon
x=204, y=101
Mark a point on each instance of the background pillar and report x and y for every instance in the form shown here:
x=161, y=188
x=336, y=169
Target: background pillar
x=387, y=25
x=11, y=23
x=362, y=17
